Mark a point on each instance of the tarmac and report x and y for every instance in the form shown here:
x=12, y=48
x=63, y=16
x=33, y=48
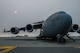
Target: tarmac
x=32, y=45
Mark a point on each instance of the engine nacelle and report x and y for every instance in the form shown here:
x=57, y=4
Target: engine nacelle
x=74, y=28
x=14, y=30
x=29, y=28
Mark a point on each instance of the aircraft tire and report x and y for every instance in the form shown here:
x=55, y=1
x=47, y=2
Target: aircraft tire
x=63, y=40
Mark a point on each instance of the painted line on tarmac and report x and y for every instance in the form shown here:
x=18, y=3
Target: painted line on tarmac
x=78, y=47
x=5, y=49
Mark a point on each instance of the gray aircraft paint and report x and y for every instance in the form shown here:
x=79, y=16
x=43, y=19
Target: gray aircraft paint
x=58, y=23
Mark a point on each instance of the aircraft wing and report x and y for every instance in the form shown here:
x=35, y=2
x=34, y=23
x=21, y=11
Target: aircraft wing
x=28, y=28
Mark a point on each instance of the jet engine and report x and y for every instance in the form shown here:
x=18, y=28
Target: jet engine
x=14, y=30
x=29, y=28
x=74, y=28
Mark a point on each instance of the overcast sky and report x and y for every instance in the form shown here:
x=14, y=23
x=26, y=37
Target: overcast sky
x=22, y=12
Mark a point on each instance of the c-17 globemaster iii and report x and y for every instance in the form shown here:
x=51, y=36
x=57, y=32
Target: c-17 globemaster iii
x=55, y=26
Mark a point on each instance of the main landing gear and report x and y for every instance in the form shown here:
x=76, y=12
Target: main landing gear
x=60, y=39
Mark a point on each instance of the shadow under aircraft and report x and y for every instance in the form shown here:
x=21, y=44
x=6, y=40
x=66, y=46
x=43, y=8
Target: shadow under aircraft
x=55, y=27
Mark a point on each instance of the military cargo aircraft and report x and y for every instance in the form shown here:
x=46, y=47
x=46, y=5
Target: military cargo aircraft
x=55, y=26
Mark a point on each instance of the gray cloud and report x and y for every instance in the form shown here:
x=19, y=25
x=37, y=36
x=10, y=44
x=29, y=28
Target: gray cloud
x=29, y=11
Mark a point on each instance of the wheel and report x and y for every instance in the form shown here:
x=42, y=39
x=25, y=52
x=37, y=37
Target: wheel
x=63, y=40
x=54, y=38
x=40, y=37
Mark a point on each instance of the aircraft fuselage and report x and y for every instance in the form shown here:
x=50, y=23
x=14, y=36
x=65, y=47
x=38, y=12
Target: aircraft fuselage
x=58, y=23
